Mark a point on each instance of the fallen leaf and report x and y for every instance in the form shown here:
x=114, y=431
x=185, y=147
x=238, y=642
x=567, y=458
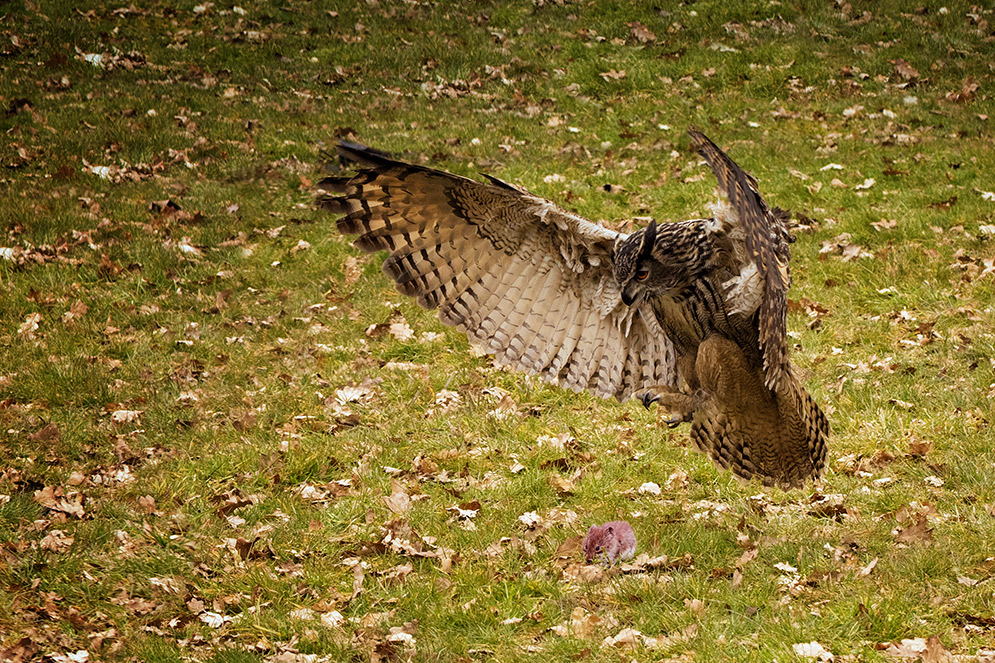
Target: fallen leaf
x=563, y=486
x=29, y=326
x=944, y=204
x=445, y=401
x=916, y=531
x=904, y=69
x=76, y=311
x=332, y=619
x=678, y=480
x=213, y=619
x=935, y=652
x=398, y=501
x=49, y=433
x=866, y=571
x=813, y=650
x=641, y=32
x=583, y=573
x=57, y=541
x=353, y=270
x=583, y=624
x=907, y=648
x=126, y=416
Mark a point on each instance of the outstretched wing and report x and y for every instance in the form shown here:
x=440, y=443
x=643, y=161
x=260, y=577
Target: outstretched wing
x=527, y=281
x=766, y=236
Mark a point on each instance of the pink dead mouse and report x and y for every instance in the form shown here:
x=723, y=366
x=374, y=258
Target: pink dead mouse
x=608, y=543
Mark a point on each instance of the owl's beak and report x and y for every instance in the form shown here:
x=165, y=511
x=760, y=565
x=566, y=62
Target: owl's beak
x=630, y=294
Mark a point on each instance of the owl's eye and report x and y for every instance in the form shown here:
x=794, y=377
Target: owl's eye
x=642, y=274
x=597, y=548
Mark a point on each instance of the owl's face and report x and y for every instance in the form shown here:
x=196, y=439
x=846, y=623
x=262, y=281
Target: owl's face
x=649, y=262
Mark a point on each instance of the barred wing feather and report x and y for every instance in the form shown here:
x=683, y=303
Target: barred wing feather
x=526, y=280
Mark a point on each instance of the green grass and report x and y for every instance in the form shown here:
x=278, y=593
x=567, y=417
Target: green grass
x=233, y=352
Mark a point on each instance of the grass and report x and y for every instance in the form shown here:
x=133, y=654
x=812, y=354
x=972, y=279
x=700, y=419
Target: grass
x=241, y=492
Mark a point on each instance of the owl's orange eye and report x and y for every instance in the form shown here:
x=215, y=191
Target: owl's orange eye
x=642, y=274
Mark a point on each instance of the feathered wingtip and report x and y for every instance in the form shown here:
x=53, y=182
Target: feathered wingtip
x=351, y=152
x=347, y=154
x=719, y=161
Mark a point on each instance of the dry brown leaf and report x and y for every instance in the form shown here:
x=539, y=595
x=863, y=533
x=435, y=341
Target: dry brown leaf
x=397, y=574
x=916, y=531
x=884, y=224
x=583, y=624
x=76, y=311
x=907, y=648
x=126, y=416
x=398, y=501
x=696, y=606
x=357, y=580
x=505, y=409
x=904, y=69
x=353, y=270
x=919, y=448
x=611, y=74
x=747, y=557
x=147, y=502
x=678, y=480
x=583, y=573
x=445, y=401
x=866, y=571
x=641, y=32
x=570, y=547
x=57, y=541
x=935, y=652
x=54, y=498
x=563, y=486
x=29, y=326
x=49, y=433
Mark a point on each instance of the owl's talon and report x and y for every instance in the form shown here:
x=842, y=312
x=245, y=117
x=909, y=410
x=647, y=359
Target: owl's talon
x=672, y=419
x=673, y=407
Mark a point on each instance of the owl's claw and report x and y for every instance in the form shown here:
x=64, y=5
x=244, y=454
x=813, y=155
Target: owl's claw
x=674, y=407
x=648, y=398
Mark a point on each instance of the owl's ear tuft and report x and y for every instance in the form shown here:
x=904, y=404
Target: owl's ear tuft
x=649, y=240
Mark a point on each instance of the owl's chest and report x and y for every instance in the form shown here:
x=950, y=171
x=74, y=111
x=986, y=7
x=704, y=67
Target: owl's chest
x=703, y=310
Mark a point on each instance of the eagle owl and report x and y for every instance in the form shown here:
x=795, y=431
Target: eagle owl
x=687, y=315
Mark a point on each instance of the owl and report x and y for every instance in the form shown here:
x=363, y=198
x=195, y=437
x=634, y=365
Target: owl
x=689, y=316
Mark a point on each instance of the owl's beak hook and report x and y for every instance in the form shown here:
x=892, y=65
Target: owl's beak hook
x=630, y=294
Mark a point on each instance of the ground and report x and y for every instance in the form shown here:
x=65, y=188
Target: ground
x=227, y=438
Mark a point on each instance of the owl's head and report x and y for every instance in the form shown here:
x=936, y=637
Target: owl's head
x=653, y=261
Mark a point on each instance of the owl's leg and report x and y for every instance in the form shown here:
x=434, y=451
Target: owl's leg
x=674, y=407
